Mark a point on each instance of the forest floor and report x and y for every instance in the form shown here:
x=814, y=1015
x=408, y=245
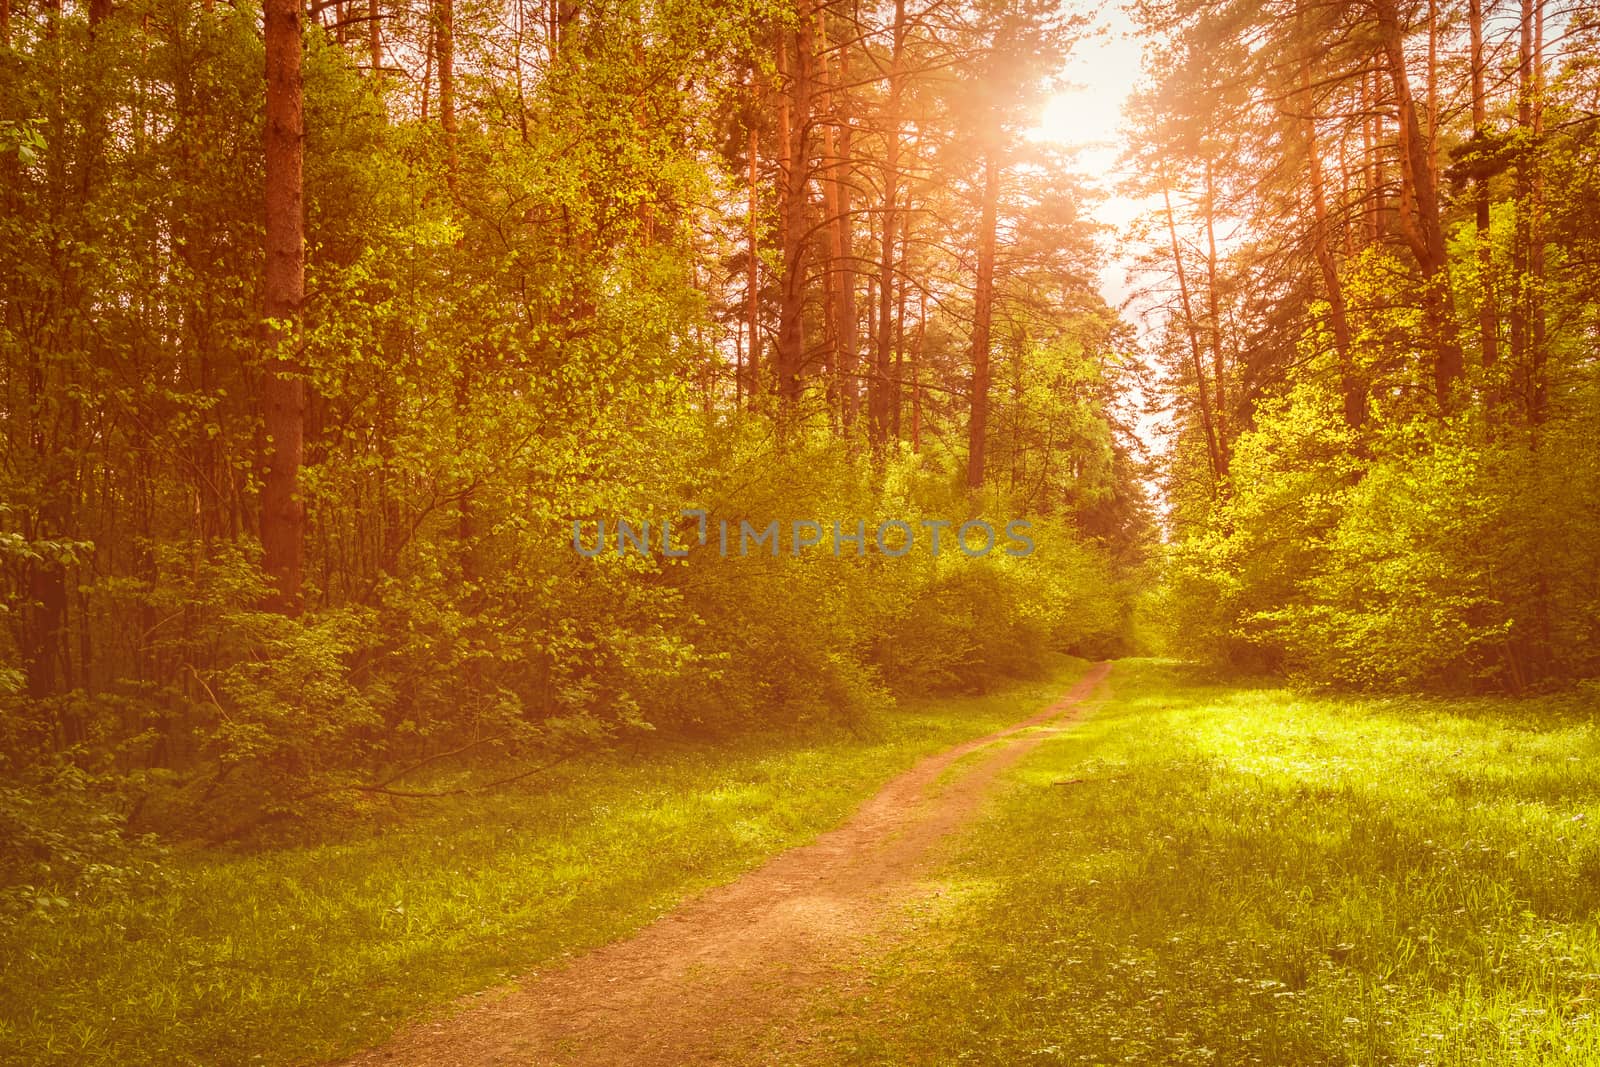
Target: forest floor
x=1200, y=872
x=698, y=985
x=323, y=942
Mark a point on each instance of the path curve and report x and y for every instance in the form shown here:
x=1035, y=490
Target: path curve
x=723, y=966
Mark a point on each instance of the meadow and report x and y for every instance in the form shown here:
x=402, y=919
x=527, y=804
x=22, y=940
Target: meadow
x=1206, y=873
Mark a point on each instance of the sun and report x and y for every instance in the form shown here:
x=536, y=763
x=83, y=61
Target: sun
x=1075, y=118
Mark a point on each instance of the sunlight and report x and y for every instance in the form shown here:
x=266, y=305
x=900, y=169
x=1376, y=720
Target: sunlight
x=1076, y=117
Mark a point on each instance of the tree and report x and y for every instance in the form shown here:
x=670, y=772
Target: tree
x=283, y=384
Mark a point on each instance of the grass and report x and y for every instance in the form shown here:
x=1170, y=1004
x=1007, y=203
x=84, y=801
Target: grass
x=304, y=953
x=1204, y=874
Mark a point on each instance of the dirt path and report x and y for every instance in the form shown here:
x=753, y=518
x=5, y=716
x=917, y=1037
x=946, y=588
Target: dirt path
x=726, y=965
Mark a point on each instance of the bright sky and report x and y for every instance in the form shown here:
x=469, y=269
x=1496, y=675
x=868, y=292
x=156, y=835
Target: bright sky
x=1087, y=114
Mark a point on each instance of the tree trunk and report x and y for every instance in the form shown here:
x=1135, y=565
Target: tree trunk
x=1355, y=400
x=1372, y=141
x=1433, y=77
x=1538, y=388
x=1218, y=468
x=374, y=40
x=445, y=27
x=1420, y=222
x=983, y=311
x=830, y=183
x=882, y=362
x=283, y=386
x=796, y=122
x=916, y=372
x=897, y=385
x=752, y=293
x=1219, y=371
x=1488, y=317
x=848, y=360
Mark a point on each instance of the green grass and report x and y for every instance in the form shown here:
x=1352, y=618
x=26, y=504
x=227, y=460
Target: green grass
x=1210, y=875
x=300, y=954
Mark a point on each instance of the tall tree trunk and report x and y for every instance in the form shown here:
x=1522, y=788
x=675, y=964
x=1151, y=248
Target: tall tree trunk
x=1488, y=317
x=1372, y=141
x=1538, y=388
x=1355, y=400
x=1219, y=370
x=983, y=312
x=1218, y=468
x=916, y=372
x=752, y=294
x=1522, y=237
x=374, y=40
x=1420, y=222
x=444, y=15
x=1346, y=226
x=445, y=28
x=1433, y=78
x=427, y=70
x=829, y=180
x=796, y=122
x=897, y=389
x=283, y=385
x=848, y=360
x=882, y=362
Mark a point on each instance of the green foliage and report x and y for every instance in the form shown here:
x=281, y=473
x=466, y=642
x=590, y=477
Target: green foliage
x=62, y=847
x=1444, y=557
x=505, y=329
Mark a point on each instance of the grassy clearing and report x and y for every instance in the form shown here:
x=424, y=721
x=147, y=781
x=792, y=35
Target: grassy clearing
x=1211, y=875
x=301, y=954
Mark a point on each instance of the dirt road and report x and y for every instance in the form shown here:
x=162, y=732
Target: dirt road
x=726, y=965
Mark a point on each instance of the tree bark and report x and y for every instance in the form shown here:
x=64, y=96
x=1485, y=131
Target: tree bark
x=1420, y=223
x=1522, y=238
x=1219, y=370
x=829, y=180
x=882, y=372
x=848, y=359
x=445, y=28
x=1538, y=388
x=1218, y=468
x=1355, y=400
x=983, y=311
x=916, y=372
x=1488, y=316
x=752, y=371
x=283, y=386
x=897, y=384
x=1372, y=141
x=795, y=125
x=374, y=40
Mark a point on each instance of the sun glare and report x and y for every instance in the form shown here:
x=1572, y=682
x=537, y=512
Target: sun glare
x=1073, y=117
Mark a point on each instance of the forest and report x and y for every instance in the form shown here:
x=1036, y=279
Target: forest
x=413, y=406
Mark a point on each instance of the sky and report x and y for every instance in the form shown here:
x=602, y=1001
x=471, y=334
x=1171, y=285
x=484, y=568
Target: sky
x=1087, y=114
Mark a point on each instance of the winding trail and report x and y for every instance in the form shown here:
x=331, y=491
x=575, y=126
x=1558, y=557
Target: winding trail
x=724, y=966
